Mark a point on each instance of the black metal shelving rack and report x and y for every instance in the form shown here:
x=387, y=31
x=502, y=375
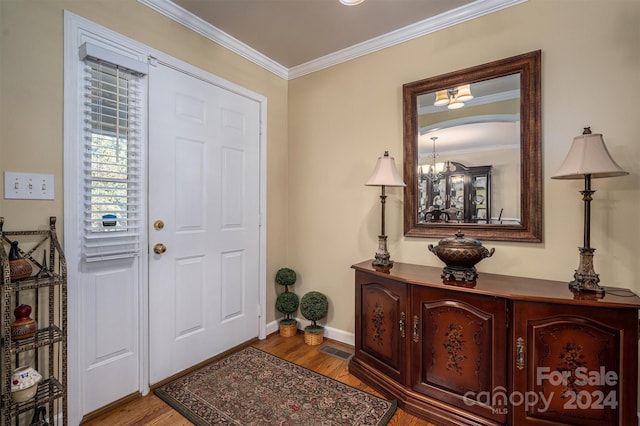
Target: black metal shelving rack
x=46, y=291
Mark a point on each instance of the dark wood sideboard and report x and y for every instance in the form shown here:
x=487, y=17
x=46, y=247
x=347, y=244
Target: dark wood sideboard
x=510, y=351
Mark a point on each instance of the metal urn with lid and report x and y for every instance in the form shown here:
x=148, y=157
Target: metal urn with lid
x=460, y=255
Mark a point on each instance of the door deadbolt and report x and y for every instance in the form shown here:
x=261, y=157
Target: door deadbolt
x=158, y=225
x=159, y=248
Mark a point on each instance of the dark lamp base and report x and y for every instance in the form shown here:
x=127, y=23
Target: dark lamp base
x=382, y=262
x=585, y=278
x=382, y=258
x=586, y=287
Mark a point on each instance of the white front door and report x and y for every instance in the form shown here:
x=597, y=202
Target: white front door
x=204, y=191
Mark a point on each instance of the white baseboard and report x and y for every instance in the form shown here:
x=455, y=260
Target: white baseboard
x=329, y=332
x=272, y=327
x=340, y=335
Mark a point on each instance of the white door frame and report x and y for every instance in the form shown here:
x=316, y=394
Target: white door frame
x=74, y=26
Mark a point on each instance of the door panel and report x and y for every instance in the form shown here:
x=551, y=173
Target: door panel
x=461, y=358
x=204, y=186
x=382, y=321
x=189, y=175
x=188, y=295
x=575, y=359
x=231, y=296
x=232, y=184
x=109, y=340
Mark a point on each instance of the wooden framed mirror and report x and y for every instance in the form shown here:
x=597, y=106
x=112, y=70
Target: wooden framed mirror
x=475, y=167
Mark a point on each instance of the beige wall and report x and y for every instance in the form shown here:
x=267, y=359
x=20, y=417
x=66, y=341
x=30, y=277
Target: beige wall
x=341, y=119
x=31, y=99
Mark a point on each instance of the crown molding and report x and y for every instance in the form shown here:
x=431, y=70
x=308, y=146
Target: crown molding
x=448, y=19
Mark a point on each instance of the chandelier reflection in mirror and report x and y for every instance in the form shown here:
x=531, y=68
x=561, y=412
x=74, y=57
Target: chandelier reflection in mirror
x=454, y=98
x=433, y=171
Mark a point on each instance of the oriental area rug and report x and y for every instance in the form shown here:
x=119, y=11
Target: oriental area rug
x=253, y=387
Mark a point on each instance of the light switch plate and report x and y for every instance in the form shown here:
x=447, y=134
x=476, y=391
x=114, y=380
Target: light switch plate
x=28, y=186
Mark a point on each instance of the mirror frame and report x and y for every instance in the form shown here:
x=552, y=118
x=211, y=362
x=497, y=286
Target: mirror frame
x=530, y=227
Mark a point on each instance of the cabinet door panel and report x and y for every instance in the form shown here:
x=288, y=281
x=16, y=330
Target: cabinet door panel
x=382, y=324
x=571, y=362
x=459, y=349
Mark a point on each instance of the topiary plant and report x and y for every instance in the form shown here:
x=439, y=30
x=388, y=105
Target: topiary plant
x=287, y=302
x=314, y=306
x=286, y=277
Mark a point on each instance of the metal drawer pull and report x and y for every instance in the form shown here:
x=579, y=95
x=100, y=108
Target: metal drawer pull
x=403, y=318
x=416, y=336
x=520, y=353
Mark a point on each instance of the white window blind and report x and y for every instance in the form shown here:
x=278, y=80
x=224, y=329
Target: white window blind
x=112, y=161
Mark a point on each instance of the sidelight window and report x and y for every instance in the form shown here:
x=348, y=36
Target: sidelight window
x=112, y=176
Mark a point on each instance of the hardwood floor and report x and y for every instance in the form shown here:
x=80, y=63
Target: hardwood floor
x=151, y=410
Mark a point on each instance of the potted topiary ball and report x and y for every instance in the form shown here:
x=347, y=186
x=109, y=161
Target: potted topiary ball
x=287, y=302
x=314, y=306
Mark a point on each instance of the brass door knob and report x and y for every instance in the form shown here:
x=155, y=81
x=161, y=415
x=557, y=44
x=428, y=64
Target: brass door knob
x=159, y=248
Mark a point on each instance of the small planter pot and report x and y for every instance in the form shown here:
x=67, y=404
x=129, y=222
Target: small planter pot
x=288, y=330
x=313, y=338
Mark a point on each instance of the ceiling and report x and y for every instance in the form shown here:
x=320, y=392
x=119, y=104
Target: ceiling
x=294, y=32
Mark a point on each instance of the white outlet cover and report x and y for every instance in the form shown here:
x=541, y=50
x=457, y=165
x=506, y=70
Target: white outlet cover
x=28, y=186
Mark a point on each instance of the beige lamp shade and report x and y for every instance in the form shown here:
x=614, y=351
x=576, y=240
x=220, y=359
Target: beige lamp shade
x=588, y=156
x=442, y=98
x=385, y=173
x=464, y=93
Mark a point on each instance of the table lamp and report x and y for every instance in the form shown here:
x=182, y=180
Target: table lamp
x=588, y=158
x=385, y=174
